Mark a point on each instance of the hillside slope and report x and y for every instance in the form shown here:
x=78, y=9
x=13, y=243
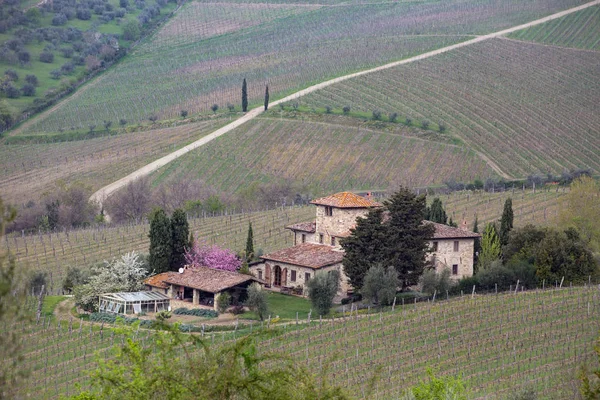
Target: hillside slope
x=288, y=50
x=529, y=108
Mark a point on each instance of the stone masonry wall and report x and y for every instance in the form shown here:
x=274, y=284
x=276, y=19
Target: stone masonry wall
x=340, y=222
x=445, y=256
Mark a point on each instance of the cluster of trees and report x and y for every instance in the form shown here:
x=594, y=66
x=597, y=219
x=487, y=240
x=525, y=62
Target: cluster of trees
x=390, y=237
x=169, y=240
x=136, y=200
x=387, y=249
x=67, y=206
x=536, y=256
x=234, y=370
x=532, y=181
x=90, y=49
x=123, y=274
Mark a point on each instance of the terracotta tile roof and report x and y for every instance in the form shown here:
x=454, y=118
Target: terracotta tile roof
x=346, y=200
x=208, y=279
x=449, y=232
x=309, y=226
x=307, y=255
x=159, y=280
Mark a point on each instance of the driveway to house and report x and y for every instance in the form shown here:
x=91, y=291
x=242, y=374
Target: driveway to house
x=101, y=195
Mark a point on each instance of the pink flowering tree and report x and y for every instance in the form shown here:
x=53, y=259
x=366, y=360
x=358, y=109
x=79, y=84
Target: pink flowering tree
x=202, y=255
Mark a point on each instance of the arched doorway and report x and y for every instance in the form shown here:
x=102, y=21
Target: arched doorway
x=277, y=276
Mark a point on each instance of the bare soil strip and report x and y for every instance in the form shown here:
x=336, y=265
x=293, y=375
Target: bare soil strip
x=108, y=190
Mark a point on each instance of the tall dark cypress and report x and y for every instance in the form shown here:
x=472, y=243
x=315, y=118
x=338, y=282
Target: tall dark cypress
x=506, y=223
x=267, y=98
x=160, y=242
x=250, y=244
x=180, y=233
x=244, y=96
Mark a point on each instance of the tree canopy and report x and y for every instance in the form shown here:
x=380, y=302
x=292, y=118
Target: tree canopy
x=579, y=209
x=179, y=367
x=322, y=288
x=124, y=274
x=180, y=233
x=490, y=247
x=436, y=212
x=394, y=236
x=506, y=222
x=161, y=241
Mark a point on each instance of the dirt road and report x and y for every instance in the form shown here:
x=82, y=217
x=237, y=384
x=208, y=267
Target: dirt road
x=106, y=191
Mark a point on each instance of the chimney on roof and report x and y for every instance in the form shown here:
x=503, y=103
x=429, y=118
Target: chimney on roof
x=464, y=226
x=369, y=195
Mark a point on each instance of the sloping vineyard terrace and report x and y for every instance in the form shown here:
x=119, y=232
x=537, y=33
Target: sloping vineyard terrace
x=580, y=30
x=287, y=52
x=529, y=108
x=28, y=170
x=326, y=157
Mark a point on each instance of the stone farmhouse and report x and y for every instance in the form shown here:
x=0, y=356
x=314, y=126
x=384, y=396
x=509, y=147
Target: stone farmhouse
x=201, y=285
x=317, y=246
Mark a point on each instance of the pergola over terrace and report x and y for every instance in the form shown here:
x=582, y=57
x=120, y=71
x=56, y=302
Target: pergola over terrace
x=134, y=302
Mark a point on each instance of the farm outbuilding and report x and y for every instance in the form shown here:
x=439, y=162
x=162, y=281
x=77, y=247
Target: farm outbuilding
x=134, y=302
x=202, y=285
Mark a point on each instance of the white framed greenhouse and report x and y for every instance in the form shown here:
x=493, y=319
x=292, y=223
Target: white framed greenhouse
x=134, y=302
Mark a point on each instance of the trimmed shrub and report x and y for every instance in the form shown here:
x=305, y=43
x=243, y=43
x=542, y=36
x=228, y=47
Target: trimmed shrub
x=196, y=312
x=12, y=75
x=59, y=19
x=28, y=90
x=31, y=79
x=47, y=57
x=496, y=273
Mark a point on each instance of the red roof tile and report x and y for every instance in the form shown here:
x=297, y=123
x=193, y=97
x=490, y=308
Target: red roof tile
x=307, y=255
x=449, y=232
x=208, y=279
x=310, y=226
x=159, y=280
x=346, y=200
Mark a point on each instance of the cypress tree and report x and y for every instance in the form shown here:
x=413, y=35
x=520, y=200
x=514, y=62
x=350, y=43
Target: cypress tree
x=180, y=233
x=363, y=249
x=401, y=242
x=267, y=98
x=244, y=96
x=436, y=212
x=476, y=245
x=490, y=247
x=506, y=223
x=250, y=244
x=407, y=238
x=160, y=242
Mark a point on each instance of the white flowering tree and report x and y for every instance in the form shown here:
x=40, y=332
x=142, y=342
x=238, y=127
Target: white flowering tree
x=124, y=274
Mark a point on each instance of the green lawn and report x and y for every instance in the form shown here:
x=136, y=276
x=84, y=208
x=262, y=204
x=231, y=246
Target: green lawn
x=50, y=303
x=285, y=307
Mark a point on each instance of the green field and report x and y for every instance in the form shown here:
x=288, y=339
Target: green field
x=579, y=30
x=55, y=253
x=528, y=108
x=499, y=344
x=41, y=70
x=287, y=46
x=328, y=155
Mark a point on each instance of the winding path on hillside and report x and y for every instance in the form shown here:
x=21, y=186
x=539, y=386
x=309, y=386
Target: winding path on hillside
x=108, y=190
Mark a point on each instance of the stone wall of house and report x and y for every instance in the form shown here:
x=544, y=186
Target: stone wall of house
x=302, y=273
x=341, y=220
x=446, y=257
x=308, y=237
